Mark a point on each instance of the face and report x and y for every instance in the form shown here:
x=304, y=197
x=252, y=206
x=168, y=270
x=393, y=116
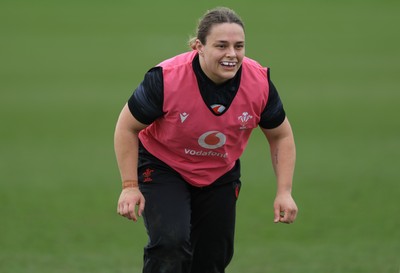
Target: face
x=223, y=53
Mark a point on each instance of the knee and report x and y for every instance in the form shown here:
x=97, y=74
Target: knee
x=175, y=242
x=171, y=244
x=169, y=254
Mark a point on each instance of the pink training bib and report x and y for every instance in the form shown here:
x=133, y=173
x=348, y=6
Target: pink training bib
x=198, y=144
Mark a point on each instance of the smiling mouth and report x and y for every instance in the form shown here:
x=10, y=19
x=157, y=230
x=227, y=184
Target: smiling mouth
x=228, y=64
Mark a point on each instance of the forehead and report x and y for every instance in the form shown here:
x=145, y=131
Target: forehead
x=230, y=32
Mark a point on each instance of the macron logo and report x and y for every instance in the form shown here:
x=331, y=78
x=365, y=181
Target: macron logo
x=183, y=116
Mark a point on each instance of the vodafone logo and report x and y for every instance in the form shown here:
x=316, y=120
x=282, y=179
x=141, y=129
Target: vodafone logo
x=212, y=140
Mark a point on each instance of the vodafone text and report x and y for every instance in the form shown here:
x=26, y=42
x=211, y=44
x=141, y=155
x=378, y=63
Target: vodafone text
x=205, y=153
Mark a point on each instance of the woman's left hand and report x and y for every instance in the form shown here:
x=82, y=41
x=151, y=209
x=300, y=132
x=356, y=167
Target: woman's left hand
x=285, y=209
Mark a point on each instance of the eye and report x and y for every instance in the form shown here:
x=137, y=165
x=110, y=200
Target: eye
x=221, y=46
x=239, y=46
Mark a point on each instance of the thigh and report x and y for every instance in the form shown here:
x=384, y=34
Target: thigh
x=167, y=205
x=213, y=226
x=167, y=220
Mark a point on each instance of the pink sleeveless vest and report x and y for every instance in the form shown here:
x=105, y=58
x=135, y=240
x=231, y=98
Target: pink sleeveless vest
x=199, y=145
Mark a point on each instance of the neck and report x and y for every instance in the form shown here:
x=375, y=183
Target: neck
x=203, y=67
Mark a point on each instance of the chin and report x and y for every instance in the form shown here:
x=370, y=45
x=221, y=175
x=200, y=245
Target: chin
x=229, y=75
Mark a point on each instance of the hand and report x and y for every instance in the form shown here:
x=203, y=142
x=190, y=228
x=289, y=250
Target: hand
x=128, y=200
x=285, y=209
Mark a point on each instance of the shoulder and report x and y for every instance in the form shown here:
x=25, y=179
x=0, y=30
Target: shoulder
x=154, y=75
x=178, y=60
x=251, y=62
x=253, y=68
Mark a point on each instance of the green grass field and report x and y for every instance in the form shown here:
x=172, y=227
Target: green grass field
x=67, y=68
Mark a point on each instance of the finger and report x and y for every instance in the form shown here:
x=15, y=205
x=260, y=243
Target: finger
x=141, y=207
x=120, y=208
x=277, y=215
x=293, y=215
x=125, y=210
x=289, y=216
x=132, y=212
x=286, y=220
x=282, y=217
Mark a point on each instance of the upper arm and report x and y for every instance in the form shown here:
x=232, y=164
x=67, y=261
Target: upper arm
x=146, y=103
x=284, y=130
x=273, y=114
x=127, y=122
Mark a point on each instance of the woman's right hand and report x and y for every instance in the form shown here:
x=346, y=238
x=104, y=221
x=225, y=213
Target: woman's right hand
x=128, y=200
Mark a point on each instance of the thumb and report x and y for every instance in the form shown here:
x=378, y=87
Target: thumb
x=277, y=214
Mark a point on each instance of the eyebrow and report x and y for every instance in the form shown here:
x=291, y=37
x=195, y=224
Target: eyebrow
x=225, y=42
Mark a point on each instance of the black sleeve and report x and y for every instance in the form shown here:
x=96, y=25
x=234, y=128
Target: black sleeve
x=146, y=102
x=273, y=114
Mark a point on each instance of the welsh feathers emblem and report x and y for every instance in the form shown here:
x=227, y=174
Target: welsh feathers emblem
x=244, y=119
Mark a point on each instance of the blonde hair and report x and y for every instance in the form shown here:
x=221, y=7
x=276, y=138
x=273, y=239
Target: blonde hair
x=212, y=17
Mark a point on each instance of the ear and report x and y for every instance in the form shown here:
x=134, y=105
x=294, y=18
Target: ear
x=199, y=46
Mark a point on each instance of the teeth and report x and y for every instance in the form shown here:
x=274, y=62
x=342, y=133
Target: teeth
x=228, y=63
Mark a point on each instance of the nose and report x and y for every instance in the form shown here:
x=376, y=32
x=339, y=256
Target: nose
x=231, y=52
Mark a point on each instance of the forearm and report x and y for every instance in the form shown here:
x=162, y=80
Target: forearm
x=283, y=156
x=126, y=144
x=126, y=151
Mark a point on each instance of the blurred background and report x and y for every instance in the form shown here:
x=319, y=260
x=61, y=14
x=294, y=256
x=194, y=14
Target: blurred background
x=68, y=67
